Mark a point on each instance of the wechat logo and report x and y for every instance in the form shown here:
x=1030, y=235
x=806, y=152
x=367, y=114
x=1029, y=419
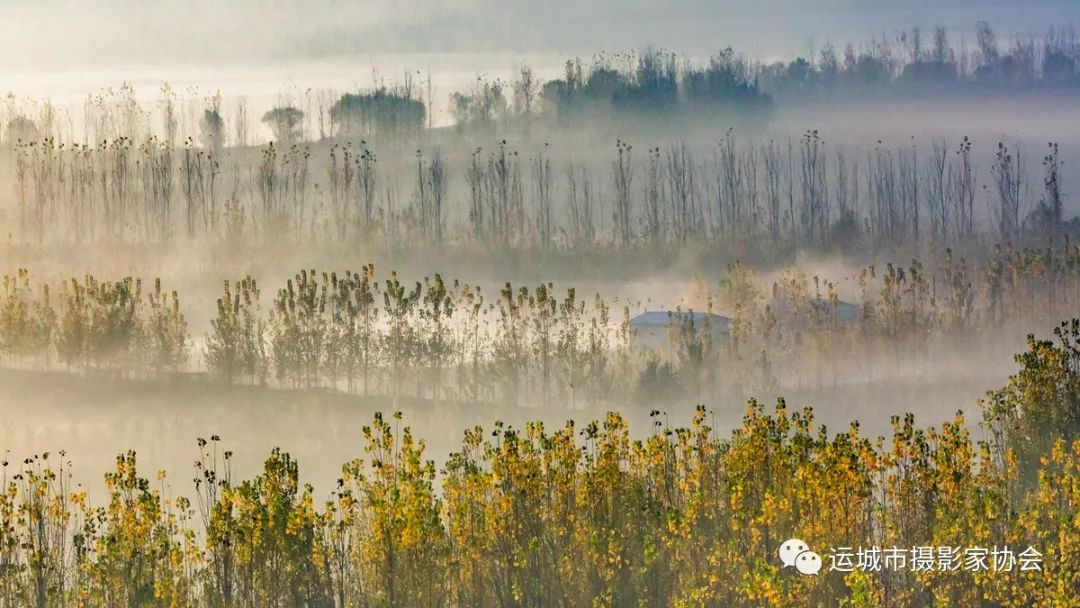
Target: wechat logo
x=797, y=554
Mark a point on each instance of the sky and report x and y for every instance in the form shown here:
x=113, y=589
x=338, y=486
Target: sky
x=64, y=34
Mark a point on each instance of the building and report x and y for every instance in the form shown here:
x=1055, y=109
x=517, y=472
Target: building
x=824, y=310
x=659, y=329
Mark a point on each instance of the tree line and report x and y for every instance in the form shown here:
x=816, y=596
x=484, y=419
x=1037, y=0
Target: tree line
x=630, y=86
x=362, y=333
x=767, y=196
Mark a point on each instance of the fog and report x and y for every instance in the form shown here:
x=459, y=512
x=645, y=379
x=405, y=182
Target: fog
x=35, y=34
x=92, y=419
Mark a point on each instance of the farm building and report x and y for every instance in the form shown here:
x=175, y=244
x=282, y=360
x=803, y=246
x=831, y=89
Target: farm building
x=823, y=309
x=656, y=329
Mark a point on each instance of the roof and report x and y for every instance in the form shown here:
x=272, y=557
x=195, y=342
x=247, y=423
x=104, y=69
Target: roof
x=662, y=318
x=845, y=311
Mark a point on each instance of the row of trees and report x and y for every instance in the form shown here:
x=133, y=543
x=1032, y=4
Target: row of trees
x=654, y=83
x=649, y=82
x=777, y=194
x=110, y=114
x=907, y=64
x=439, y=339
x=383, y=112
x=92, y=325
x=914, y=63
x=584, y=515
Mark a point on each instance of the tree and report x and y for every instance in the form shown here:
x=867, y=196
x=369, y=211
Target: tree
x=20, y=129
x=525, y=89
x=485, y=105
x=1051, y=211
x=284, y=122
x=378, y=112
x=1041, y=403
x=236, y=343
x=988, y=47
x=212, y=130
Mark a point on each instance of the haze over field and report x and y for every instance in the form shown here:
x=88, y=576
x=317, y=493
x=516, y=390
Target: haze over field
x=36, y=34
x=410, y=232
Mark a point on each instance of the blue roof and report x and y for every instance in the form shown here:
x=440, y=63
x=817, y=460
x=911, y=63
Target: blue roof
x=664, y=317
x=846, y=311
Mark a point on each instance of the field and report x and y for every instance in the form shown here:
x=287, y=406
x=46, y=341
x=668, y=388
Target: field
x=616, y=333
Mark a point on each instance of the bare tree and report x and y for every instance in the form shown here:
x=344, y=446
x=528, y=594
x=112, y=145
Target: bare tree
x=729, y=185
x=623, y=178
x=1053, y=202
x=773, y=176
x=240, y=124
x=940, y=51
x=652, y=201
x=812, y=181
x=749, y=172
x=908, y=180
x=963, y=183
x=680, y=174
x=1008, y=172
x=580, y=203
x=846, y=187
x=988, y=46
x=474, y=176
x=542, y=195
x=938, y=193
x=525, y=93
x=431, y=182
